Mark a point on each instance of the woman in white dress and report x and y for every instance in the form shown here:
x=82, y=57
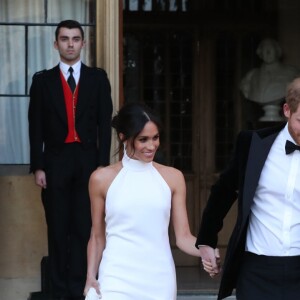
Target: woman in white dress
x=132, y=201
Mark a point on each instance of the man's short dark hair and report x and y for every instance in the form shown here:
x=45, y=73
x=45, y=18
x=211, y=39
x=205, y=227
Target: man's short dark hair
x=70, y=24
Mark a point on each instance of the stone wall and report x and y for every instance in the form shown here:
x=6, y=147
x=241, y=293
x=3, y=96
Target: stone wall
x=23, y=233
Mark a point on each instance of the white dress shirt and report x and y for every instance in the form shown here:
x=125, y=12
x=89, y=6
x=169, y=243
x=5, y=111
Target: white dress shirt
x=274, y=226
x=65, y=70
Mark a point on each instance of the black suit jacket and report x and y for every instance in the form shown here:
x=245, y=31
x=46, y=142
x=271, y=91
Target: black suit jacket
x=237, y=182
x=47, y=114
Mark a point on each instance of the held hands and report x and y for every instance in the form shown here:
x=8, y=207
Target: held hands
x=92, y=289
x=211, y=260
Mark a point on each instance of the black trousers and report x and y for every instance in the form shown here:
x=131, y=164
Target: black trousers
x=67, y=209
x=269, y=278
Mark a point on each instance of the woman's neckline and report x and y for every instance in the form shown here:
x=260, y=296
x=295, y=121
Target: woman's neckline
x=135, y=164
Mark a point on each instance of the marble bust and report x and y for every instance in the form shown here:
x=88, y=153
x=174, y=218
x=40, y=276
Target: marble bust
x=267, y=84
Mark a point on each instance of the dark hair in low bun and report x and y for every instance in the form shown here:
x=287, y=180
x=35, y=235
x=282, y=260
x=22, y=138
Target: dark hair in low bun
x=131, y=119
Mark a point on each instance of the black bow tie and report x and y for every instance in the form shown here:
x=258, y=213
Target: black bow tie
x=291, y=147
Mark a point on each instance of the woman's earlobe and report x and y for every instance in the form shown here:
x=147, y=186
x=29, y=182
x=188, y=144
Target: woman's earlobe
x=121, y=137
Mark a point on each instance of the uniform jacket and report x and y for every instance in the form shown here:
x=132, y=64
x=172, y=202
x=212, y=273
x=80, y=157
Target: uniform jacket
x=47, y=114
x=237, y=182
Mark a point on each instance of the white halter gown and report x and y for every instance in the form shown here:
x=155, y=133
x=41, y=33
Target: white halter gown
x=137, y=262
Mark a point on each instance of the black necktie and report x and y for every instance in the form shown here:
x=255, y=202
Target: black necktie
x=291, y=147
x=71, y=80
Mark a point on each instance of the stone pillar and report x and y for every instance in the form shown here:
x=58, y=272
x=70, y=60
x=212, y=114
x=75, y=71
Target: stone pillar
x=108, y=50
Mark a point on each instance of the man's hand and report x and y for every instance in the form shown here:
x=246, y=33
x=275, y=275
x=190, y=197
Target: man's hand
x=211, y=260
x=40, y=178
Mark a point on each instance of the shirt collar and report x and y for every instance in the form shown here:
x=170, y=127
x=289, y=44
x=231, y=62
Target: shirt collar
x=286, y=134
x=65, y=68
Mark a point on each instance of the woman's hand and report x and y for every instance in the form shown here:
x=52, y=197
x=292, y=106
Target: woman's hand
x=211, y=260
x=92, y=289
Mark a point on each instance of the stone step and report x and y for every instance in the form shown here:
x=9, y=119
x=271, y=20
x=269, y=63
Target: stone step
x=200, y=295
x=180, y=296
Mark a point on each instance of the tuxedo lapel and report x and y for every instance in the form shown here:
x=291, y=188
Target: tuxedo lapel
x=55, y=86
x=259, y=150
x=85, y=87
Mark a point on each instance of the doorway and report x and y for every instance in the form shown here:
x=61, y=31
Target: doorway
x=185, y=59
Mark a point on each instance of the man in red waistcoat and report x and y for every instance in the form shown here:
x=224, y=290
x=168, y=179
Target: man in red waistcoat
x=70, y=134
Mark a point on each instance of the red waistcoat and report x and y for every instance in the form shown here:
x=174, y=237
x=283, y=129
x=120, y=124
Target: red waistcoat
x=71, y=103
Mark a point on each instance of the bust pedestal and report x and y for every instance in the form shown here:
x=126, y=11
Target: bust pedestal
x=271, y=113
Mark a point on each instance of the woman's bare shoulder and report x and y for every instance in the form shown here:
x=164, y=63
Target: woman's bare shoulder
x=171, y=175
x=105, y=175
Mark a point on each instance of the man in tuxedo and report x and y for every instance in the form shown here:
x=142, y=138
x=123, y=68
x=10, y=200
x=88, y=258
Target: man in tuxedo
x=70, y=135
x=263, y=255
